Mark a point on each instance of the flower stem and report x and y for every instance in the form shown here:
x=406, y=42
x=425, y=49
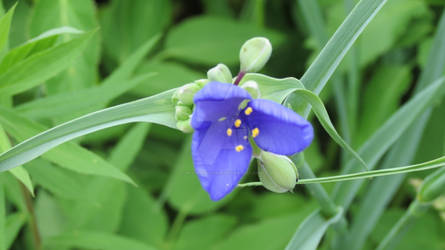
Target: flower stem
x=239, y=77
x=33, y=222
x=250, y=184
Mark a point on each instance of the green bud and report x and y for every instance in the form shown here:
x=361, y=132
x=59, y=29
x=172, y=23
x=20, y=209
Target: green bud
x=254, y=54
x=184, y=126
x=277, y=172
x=220, y=73
x=182, y=112
x=201, y=82
x=186, y=93
x=252, y=88
x=433, y=186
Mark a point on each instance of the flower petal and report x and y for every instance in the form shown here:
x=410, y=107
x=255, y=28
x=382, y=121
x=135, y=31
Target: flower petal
x=218, y=164
x=215, y=101
x=279, y=129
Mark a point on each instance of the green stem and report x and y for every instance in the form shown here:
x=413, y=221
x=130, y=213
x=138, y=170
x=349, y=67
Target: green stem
x=32, y=216
x=177, y=225
x=250, y=184
x=436, y=163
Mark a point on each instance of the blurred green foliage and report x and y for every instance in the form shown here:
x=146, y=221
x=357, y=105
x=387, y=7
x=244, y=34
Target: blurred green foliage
x=112, y=62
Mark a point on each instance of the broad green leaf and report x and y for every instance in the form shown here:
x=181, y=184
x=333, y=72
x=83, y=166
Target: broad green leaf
x=70, y=155
x=41, y=66
x=5, y=25
x=273, y=88
x=385, y=136
x=38, y=44
x=183, y=190
x=143, y=218
x=211, y=40
x=383, y=93
x=128, y=24
x=60, y=182
x=214, y=226
x=94, y=240
x=14, y=223
x=323, y=117
x=80, y=14
x=49, y=216
x=311, y=230
x=107, y=198
x=155, y=109
x=266, y=234
x=19, y=172
x=76, y=103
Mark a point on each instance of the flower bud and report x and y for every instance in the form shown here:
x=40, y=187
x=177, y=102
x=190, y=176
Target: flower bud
x=184, y=126
x=277, y=172
x=433, y=186
x=201, y=82
x=254, y=54
x=182, y=112
x=252, y=88
x=186, y=93
x=220, y=73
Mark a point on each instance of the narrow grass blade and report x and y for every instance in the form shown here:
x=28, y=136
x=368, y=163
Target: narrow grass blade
x=69, y=155
x=385, y=136
x=5, y=26
x=155, y=109
x=323, y=117
x=19, y=172
x=436, y=163
x=311, y=230
x=382, y=190
x=323, y=67
x=2, y=217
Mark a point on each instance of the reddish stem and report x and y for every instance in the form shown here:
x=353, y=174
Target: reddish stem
x=239, y=77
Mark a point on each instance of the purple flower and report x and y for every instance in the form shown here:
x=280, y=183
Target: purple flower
x=225, y=116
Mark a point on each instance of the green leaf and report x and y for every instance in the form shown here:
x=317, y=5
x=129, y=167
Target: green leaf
x=94, y=240
x=19, y=172
x=211, y=40
x=70, y=155
x=72, y=104
x=323, y=117
x=214, y=226
x=41, y=66
x=14, y=223
x=143, y=218
x=2, y=217
x=5, y=25
x=155, y=109
x=316, y=77
x=273, y=88
x=311, y=230
x=80, y=14
x=266, y=234
x=385, y=136
x=128, y=24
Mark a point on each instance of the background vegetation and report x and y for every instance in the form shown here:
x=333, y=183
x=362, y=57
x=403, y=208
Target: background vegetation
x=117, y=59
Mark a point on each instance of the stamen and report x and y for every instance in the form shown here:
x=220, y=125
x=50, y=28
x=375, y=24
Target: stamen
x=239, y=148
x=248, y=111
x=237, y=123
x=255, y=132
x=229, y=132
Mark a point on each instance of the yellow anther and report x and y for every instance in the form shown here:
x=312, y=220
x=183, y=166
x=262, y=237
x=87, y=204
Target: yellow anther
x=237, y=123
x=255, y=132
x=229, y=132
x=248, y=111
x=239, y=148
